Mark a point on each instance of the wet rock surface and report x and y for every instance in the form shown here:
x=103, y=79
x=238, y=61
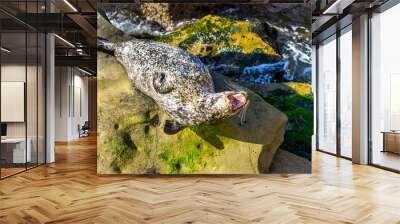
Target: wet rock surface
x=131, y=138
x=284, y=27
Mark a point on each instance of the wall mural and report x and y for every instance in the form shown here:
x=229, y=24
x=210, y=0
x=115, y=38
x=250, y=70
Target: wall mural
x=204, y=88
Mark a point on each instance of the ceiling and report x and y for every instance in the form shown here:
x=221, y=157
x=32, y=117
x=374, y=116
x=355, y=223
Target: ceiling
x=74, y=22
x=332, y=15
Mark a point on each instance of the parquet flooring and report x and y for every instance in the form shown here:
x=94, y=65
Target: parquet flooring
x=10, y=171
x=70, y=191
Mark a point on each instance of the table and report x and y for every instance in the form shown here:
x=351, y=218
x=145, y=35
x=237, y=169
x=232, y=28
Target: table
x=391, y=141
x=13, y=150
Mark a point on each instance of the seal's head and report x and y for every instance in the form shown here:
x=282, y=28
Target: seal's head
x=178, y=82
x=222, y=104
x=183, y=87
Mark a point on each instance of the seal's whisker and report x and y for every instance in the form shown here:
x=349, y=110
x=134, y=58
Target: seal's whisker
x=244, y=113
x=240, y=116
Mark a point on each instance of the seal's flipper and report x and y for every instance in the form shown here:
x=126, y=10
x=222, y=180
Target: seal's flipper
x=102, y=12
x=172, y=127
x=105, y=46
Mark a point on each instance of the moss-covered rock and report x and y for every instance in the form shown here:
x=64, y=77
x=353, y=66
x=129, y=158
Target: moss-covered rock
x=295, y=99
x=223, y=41
x=131, y=137
x=212, y=35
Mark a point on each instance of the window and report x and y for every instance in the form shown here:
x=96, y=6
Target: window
x=346, y=92
x=334, y=106
x=385, y=89
x=22, y=77
x=327, y=95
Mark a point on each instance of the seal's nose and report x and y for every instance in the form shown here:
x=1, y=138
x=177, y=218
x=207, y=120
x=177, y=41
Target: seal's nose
x=238, y=100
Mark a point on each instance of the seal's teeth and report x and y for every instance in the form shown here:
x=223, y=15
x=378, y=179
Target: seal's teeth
x=238, y=100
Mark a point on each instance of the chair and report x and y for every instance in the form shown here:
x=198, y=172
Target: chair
x=84, y=130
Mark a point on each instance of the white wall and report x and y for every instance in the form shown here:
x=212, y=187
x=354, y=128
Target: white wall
x=33, y=126
x=13, y=101
x=71, y=102
x=10, y=73
x=16, y=73
x=80, y=109
x=62, y=81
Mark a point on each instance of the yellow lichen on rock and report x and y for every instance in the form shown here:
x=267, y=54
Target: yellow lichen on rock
x=213, y=35
x=250, y=41
x=300, y=88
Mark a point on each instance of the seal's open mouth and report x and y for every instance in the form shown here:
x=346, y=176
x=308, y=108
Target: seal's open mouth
x=238, y=100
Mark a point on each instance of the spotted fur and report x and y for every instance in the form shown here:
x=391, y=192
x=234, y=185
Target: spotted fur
x=175, y=79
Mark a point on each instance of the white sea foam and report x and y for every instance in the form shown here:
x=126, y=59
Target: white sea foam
x=133, y=24
x=266, y=73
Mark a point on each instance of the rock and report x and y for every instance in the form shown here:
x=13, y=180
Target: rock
x=134, y=24
x=267, y=33
x=224, y=69
x=108, y=31
x=221, y=147
x=284, y=28
x=265, y=73
x=158, y=12
x=286, y=162
x=223, y=41
x=265, y=90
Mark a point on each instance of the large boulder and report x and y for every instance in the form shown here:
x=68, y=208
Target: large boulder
x=286, y=162
x=296, y=100
x=219, y=40
x=132, y=140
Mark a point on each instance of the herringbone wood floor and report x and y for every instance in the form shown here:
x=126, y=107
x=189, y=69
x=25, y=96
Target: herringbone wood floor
x=69, y=191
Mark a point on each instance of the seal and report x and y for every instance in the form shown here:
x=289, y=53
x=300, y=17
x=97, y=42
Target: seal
x=176, y=80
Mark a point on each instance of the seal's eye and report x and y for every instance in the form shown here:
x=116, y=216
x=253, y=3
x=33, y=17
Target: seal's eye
x=162, y=77
x=160, y=83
